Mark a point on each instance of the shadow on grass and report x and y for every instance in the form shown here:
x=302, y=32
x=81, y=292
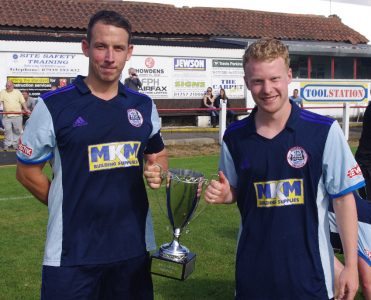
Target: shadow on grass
x=193, y=288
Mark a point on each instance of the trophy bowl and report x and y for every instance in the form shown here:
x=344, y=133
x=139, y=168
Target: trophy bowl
x=183, y=191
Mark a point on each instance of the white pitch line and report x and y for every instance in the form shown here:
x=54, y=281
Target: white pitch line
x=16, y=198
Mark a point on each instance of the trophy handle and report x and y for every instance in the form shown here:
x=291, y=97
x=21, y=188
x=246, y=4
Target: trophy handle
x=197, y=212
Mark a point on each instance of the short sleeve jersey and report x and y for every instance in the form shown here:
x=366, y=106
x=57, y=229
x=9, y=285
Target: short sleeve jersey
x=283, y=186
x=97, y=200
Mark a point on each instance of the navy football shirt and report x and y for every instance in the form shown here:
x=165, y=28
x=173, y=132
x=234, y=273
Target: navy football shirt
x=97, y=200
x=283, y=186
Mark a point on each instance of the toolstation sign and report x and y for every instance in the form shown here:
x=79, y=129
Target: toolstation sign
x=334, y=92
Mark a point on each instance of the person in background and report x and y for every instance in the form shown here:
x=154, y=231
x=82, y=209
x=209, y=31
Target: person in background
x=13, y=103
x=30, y=103
x=208, y=101
x=363, y=153
x=282, y=165
x=222, y=98
x=1, y=117
x=296, y=98
x=100, y=139
x=133, y=82
x=364, y=244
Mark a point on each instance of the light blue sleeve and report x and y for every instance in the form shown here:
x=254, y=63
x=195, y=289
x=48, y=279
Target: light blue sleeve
x=226, y=165
x=155, y=119
x=341, y=172
x=37, y=141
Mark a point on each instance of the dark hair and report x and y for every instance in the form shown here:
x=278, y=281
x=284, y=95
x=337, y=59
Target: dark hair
x=225, y=94
x=211, y=90
x=108, y=17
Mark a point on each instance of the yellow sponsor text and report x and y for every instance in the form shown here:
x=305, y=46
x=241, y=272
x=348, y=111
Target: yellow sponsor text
x=17, y=80
x=279, y=193
x=113, y=155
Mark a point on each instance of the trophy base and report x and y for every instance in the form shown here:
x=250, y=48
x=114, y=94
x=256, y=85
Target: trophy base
x=173, y=269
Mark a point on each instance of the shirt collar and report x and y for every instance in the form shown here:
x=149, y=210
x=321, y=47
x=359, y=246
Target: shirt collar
x=291, y=123
x=84, y=89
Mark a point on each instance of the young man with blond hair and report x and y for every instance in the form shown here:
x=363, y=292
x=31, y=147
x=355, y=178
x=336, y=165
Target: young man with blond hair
x=282, y=165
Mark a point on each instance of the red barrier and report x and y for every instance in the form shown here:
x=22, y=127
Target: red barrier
x=196, y=109
x=208, y=109
x=12, y=113
x=201, y=109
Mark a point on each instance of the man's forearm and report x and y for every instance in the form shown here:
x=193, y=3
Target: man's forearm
x=35, y=181
x=347, y=222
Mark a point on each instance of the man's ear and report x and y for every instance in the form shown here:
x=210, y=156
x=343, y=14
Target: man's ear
x=85, y=47
x=289, y=74
x=130, y=52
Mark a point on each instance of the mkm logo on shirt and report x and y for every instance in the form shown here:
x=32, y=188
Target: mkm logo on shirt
x=279, y=193
x=113, y=155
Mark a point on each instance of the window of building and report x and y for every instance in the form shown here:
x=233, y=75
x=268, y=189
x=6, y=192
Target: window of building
x=364, y=68
x=343, y=68
x=299, y=66
x=321, y=67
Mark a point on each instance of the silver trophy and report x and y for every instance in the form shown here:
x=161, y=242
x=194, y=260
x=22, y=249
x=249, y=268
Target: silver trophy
x=183, y=189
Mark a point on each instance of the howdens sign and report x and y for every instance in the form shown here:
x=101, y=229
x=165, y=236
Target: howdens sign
x=334, y=92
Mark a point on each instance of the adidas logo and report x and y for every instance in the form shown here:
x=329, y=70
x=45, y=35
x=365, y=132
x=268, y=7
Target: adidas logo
x=79, y=122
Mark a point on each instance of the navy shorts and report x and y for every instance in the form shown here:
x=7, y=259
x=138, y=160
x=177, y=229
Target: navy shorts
x=129, y=279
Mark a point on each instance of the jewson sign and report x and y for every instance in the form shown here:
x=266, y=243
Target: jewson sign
x=190, y=64
x=330, y=92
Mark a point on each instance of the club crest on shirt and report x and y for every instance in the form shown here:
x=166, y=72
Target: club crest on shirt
x=297, y=157
x=135, y=117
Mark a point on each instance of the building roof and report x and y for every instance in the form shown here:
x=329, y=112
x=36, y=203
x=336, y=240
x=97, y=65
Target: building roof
x=70, y=18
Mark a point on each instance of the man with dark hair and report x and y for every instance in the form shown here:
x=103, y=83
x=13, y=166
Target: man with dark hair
x=96, y=134
x=295, y=98
x=282, y=165
x=106, y=17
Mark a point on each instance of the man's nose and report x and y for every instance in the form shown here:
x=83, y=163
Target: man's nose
x=109, y=55
x=267, y=87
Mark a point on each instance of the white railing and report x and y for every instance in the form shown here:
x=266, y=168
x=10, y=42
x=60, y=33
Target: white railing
x=345, y=123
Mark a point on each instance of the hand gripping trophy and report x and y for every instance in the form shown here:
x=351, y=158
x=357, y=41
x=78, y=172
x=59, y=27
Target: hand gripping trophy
x=183, y=191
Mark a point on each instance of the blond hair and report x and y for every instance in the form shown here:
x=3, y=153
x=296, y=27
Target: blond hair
x=266, y=49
